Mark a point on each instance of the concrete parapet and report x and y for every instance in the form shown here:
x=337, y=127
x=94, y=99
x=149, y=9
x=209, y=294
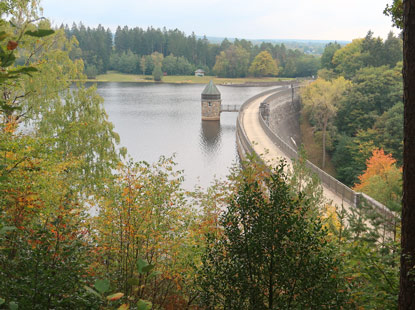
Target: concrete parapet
x=284, y=101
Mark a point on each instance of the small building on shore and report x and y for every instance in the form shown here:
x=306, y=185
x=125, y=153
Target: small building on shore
x=199, y=72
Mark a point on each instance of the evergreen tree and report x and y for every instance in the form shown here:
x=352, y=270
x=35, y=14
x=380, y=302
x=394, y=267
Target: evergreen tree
x=327, y=57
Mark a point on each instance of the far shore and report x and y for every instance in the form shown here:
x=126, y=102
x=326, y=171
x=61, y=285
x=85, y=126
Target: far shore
x=113, y=76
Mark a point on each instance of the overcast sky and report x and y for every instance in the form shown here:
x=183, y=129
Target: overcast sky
x=249, y=19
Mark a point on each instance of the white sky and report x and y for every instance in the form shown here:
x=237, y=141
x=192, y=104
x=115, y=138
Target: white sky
x=249, y=19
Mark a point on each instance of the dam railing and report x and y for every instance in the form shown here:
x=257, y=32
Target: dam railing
x=340, y=189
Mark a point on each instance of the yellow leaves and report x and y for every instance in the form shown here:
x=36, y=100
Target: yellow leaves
x=10, y=155
x=264, y=65
x=107, y=222
x=10, y=127
x=331, y=220
x=115, y=296
x=324, y=94
x=31, y=197
x=144, y=214
x=126, y=191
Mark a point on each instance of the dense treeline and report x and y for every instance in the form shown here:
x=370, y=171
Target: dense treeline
x=95, y=47
x=366, y=113
x=356, y=109
x=81, y=227
x=131, y=50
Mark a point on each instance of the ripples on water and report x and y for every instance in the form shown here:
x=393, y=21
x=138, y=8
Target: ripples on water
x=164, y=119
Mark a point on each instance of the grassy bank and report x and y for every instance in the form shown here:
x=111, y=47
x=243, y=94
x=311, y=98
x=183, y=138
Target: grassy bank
x=113, y=76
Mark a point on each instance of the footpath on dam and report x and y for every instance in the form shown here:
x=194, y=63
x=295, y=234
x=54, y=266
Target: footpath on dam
x=266, y=148
x=266, y=126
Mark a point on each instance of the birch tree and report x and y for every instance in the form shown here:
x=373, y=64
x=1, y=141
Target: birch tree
x=322, y=98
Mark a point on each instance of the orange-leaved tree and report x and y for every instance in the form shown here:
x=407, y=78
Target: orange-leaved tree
x=382, y=180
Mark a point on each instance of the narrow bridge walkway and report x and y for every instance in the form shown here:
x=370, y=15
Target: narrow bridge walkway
x=268, y=151
x=230, y=107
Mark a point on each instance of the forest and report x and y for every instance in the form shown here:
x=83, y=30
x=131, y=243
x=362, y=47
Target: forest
x=83, y=226
x=135, y=50
x=356, y=109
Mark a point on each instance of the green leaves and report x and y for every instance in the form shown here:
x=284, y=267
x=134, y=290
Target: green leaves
x=7, y=60
x=12, y=305
x=395, y=11
x=8, y=109
x=232, y=62
x=40, y=33
x=24, y=70
x=143, y=266
x=102, y=285
x=4, y=230
x=271, y=238
x=3, y=35
x=154, y=274
x=92, y=291
x=144, y=305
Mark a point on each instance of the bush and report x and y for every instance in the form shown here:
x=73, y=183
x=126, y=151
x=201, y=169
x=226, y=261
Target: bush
x=270, y=252
x=91, y=71
x=157, y=74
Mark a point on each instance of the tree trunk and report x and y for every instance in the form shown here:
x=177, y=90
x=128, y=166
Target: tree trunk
x=323, y=165
x=407, y=281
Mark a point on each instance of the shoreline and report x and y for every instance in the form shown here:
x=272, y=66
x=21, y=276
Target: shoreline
x=114, y=77
x=256, y=84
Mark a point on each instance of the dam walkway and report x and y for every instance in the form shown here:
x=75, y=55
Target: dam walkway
x=255, y=136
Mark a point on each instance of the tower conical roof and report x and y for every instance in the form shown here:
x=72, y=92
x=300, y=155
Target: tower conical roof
x=211, y=89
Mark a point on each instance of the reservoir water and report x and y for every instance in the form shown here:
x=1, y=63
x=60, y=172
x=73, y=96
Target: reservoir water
x=164, y=119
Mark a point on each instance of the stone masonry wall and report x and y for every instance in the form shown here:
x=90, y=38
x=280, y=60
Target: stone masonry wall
x=284, y=118
x=211, y=112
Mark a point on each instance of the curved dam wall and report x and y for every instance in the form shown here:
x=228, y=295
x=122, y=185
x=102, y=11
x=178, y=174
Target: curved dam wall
x=283, y=115
x=243, y=144
x=278, y=116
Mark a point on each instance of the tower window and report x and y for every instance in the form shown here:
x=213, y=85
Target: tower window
x=210, y=103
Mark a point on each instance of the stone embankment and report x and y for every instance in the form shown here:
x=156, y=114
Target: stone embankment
x=268, y=125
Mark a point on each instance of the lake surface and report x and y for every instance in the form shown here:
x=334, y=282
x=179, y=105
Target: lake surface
x=164, y=119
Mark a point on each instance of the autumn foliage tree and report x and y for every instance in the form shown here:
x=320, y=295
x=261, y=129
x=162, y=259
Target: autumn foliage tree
x=382, y=180
x=45, y=245
x=143, y=215
x=44, y=253
x=264, y=65
x=322, y=99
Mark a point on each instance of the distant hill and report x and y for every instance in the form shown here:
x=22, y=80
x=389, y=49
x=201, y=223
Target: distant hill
x=315, y=47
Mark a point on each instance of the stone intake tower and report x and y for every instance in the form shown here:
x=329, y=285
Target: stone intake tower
x=211, y=103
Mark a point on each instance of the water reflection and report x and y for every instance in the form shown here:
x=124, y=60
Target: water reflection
x=164, y=119
x=210, y=137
